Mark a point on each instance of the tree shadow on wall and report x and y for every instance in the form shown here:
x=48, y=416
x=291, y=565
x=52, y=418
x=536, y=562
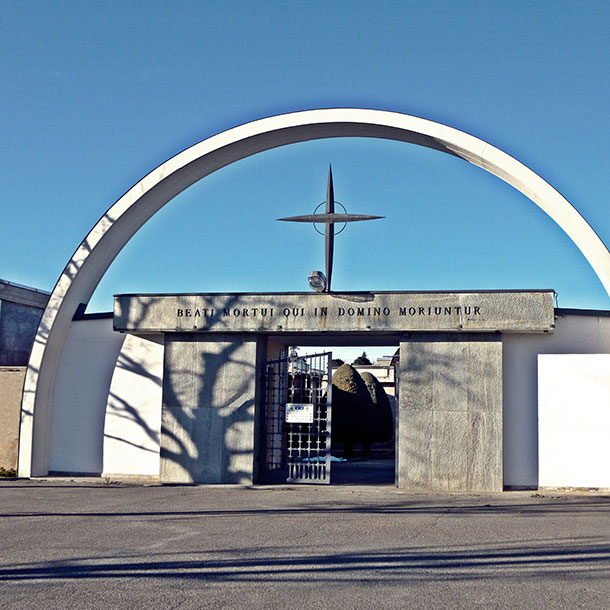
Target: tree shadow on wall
x=207, y=420
x=207, y=427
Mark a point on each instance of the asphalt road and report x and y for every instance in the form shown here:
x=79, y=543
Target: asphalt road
x=91, y=545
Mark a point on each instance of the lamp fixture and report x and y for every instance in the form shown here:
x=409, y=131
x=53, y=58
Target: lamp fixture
x=317, y=281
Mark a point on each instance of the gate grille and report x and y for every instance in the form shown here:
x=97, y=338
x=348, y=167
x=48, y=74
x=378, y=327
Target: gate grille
x=297, y=451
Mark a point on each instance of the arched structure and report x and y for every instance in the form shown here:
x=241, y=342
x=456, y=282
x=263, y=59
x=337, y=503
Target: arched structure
x=122, y=220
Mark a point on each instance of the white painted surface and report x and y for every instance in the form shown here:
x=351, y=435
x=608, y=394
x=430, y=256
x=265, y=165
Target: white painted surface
x=122, y=220
x=584, y=334
x=574, y=420
x=80, y=397
x=133, y=414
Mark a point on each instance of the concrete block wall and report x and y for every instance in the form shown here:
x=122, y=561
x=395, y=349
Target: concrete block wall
x=20, y=312
x=80, y=414
x=11, y=387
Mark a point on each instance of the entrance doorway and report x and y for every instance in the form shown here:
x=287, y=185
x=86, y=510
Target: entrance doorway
x=341, y=442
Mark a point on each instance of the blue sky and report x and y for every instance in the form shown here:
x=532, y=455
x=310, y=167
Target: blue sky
x=96, y=94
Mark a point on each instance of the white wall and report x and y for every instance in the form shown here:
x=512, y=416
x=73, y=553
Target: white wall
x=574, y=420
x=106, y=415
x=81, y=394
x=107, y=404
x=133, y=415
x=574, y=334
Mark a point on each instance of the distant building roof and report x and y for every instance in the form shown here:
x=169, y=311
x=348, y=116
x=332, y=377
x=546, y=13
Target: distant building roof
x=561, y=311
x=23, y=295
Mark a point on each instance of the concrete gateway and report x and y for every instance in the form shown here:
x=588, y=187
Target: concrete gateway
x=497, y=389
x=453, y=425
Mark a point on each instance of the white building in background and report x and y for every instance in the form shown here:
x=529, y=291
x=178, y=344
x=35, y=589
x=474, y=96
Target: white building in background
x=385, y=372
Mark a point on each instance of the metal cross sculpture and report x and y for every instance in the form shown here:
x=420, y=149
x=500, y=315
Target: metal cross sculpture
x=329, y=218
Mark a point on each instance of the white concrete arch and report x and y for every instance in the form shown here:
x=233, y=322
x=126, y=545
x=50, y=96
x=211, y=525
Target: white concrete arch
x=122, y=220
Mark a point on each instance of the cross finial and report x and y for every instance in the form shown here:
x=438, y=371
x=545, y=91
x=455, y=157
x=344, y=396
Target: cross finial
x=329, y=218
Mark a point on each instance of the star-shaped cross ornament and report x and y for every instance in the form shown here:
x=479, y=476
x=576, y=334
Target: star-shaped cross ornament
x=329, y=218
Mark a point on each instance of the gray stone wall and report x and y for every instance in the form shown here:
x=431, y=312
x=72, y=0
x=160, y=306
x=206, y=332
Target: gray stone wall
x=450, y=412
x=18, y=325
x=524, y=311
x=20, y=311
x=208, y=415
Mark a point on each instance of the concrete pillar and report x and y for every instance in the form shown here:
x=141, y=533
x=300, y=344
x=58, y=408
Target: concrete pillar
x=208, y=415
x=450, y=412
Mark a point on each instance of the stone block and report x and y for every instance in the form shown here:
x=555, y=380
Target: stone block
x=18, y=325
x=208, y=414
x=450, y=409
x=524, y=311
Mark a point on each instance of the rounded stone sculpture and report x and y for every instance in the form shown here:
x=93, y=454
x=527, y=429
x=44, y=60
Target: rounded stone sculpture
x=352, y=408
x=382, y=411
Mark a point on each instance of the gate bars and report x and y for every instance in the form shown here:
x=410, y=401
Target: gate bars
x=297, y=452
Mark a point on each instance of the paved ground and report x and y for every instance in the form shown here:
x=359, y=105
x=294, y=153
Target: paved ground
x=91, y=545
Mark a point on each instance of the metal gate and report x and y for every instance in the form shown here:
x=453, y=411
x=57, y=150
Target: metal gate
x=296, y=419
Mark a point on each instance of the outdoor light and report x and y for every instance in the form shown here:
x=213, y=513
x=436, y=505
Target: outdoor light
x=317, y=281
